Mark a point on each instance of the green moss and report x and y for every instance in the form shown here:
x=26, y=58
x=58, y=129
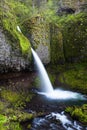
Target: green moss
x=76, y=77
x=11, y=126
x=14, y=126
x=3, y=120
x=36, y=82
x=75, y=37
x=10, y=96
x=12, y=105
x=56, y=45
x=16, y=99
x=52, y=78
x=17, y=115
x=24, y=43
x=38, y=30
x=79, y=113
x=29, y=126
x=12, y=119
x=2, y=105
x=10, y=22
x=68, y=38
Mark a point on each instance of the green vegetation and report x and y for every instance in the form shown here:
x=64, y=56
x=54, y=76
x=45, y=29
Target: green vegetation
x=13, y=118
x=37, y=81
x=3, y=120
x=76, y=77
x=79, y=113
x=12, y=104
x=68, y=38
x=11, y=14
x=18, y=115
x=52, y=78
x=10, y=126
x=57, y=55
x=14, y=126
x=75, y=37
x=15, y=99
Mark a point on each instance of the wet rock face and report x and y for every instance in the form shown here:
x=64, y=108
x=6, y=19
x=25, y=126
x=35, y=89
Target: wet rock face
x=43, y=52
x=38, y=31
x=41, y=39
x=10, y=58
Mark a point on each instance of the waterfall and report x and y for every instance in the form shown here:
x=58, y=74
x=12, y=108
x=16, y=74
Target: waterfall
x=45, y=82
x=47, y=89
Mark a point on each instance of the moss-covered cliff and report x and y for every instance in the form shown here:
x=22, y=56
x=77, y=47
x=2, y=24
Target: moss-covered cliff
x=37, y=29
x=75, y=38
x=56, y=42
x=55, y=38
x=69, y=38
x=15, y=48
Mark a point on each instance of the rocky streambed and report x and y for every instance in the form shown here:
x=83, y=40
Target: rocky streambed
x=42, y=112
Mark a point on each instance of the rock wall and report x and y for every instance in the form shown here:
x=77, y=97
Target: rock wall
x=59, y=42
x=38, y=31
x=57, y=55
x=75, y=39
x=64, y=40
x=11, y=58
x=69, y=39
x=76, y=4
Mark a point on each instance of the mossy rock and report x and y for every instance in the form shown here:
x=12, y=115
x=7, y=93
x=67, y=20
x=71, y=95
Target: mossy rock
x=69, y=38
x=3, y=120
x=75, y=38
x=75, y=77
x=38, y=31
x=15, y=99
x=9, y=21
x=79, y=113
x=57, y=55
x=18, y=115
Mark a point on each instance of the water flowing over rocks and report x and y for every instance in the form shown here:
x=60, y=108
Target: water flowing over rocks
x=56, y=121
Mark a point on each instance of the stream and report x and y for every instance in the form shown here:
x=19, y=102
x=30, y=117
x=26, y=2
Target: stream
x=53, y=116
x=56, y=121
x=55, y=99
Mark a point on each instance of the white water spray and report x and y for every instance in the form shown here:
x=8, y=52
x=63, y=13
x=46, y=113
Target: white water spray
x=18, y=28
x=47, y=88
x=66, y=123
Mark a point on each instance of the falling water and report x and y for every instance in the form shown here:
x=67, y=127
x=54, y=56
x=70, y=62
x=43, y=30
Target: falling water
x=18, y=28
x=47, y=88
x=45, y=82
